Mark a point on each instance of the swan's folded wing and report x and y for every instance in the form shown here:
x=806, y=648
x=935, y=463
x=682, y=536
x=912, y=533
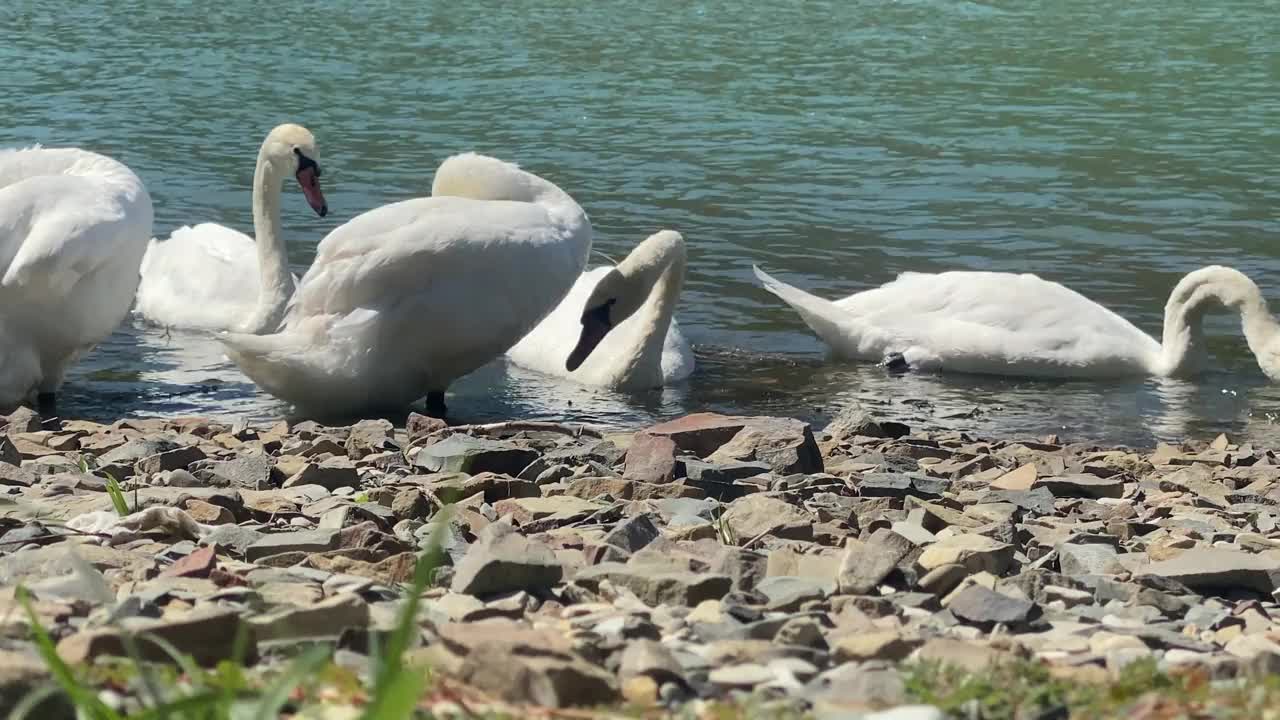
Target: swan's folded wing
x=399, y=250
x=54, y=230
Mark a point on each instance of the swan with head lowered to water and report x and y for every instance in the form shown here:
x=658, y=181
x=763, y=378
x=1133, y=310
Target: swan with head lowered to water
x=616, y=328
x=210, y=277
x=408, y=297
x=1021, y=325
x=73, y=228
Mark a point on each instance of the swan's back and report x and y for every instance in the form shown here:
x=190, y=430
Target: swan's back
x=73, y=228
x=407, y=297
x=983, y=322
x=203, y=276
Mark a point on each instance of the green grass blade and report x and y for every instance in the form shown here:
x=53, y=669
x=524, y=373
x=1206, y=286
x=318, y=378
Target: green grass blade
x=85, y=700
x=277, y=694
x=31, y=700
x=191, y=707
x=396, y=699
x=193, y=671
x=117, y=497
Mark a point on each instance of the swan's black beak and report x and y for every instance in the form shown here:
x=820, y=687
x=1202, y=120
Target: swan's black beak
x=595, y=325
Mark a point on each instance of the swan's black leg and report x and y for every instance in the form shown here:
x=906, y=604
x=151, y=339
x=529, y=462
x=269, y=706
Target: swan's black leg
x=47, y=404
x=435, y=404
x=895, y=363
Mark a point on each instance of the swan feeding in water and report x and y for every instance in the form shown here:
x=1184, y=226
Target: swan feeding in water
x=73, y=228
x=406, y=298
x=616, y=328
x=210, y=277
x=1021, y=325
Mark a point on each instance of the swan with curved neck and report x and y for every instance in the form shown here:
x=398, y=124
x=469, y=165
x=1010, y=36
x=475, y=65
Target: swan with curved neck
x=616, y=328
x=211, y=277
x=73, y=228
x=408, y=297
x=1021, y=325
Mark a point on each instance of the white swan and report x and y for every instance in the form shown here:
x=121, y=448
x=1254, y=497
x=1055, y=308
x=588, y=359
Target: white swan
x=73, y=228
x=1009, y=324
x=408, y=297
x=616, y=327
x=211, y=277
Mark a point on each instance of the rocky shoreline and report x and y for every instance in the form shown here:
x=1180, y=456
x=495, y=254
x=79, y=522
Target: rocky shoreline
x=709, y=558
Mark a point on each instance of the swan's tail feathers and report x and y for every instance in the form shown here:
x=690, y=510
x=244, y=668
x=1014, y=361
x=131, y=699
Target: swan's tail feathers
x=834, y=326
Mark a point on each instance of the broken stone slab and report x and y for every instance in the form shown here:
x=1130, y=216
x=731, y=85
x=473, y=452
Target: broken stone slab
x=757, y=514
x=1220, y=569
x=657, y=584
x=528, y=509
x=854, y=422
x=633, y=534
x=1081, y=486
x=1038, y=501
x=983, y=607
x=900, y=485
x=331, y=474
x=784, y=444
x=327, y=618
x=16, y=476
x=699, y=433
x=1020, y=479
x=208, y=637
x=976, y=552
x=502, y=560
x=541, y=679
x=307, y=541
x=652, y=459
x=1088, y=559
x=9, y=454
x=464, y=453
x=176, y=459
x=865, y=565
x=235, y=538
x=701, y=471
x=788, y=594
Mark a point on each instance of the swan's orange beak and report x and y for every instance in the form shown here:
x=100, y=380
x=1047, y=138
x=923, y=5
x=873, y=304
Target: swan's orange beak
x=309, y=181
x=595, y=325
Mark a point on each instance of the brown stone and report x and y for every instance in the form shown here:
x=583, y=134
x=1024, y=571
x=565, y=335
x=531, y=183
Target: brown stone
x=651, y=459
x=198, y=564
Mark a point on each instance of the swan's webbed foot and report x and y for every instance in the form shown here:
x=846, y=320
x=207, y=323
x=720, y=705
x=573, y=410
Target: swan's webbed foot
x=435, y=405
x=47, y=404
x=895, y=363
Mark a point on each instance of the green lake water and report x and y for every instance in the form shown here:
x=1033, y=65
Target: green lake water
x=1109, y=146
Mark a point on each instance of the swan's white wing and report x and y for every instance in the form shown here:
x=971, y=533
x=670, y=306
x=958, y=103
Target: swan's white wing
x=418, y=247
x=677, y=355
x=56, y=229
x=410, y=296
x=204, y=276
x=978, y=322
x=73, y=228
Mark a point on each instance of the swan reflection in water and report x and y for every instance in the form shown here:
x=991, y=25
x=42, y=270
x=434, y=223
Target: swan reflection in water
x=141, y=372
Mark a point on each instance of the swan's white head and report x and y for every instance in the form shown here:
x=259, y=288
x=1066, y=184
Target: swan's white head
x=292, y=148
x=623, y=291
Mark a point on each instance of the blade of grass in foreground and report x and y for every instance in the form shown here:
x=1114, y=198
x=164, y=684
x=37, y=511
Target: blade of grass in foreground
x=85, y=700
x=396, y=688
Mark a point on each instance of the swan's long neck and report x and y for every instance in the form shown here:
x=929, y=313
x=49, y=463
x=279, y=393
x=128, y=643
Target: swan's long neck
x=1183, y=342
x=662, y=274
x=276, y=282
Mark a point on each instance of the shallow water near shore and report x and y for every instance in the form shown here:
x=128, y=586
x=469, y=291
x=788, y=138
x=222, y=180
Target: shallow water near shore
x=1108, y=147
